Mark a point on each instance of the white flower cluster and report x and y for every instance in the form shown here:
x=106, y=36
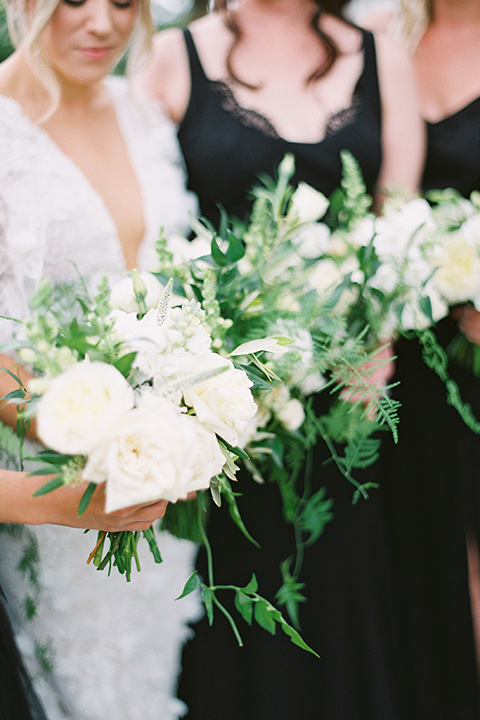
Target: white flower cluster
x=156, y=435
x=410, y=264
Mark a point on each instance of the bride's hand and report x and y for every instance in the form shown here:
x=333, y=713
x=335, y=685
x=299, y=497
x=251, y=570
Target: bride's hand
x=60, y=507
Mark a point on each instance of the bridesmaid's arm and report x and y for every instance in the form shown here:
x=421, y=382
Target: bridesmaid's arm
x=166, y=76
x=403, y=130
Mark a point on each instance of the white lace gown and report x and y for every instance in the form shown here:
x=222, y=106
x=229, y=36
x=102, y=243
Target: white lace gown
x=116, y=645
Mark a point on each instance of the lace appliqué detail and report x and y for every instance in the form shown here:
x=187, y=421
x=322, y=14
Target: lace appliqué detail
x=257, y=121
x=250, y=118
x=344, y=117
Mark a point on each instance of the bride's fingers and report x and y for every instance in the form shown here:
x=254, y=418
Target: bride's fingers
x=143, y=513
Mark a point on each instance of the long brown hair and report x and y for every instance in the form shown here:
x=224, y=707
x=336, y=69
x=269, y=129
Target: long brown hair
x=333, y=7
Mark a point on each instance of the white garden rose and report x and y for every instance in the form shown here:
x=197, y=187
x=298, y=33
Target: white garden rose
x=308, y=204
x=122, y=295
x=81, y=406
x=291, y=415
x=457, y=274
x=223, y=403
x=185, y=250
x=156, y=453
x=312, y=240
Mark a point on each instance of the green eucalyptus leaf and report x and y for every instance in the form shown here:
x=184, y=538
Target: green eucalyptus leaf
x=86, y=497
x=53, y=484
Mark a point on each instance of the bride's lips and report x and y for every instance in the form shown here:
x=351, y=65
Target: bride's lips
x=96, y=53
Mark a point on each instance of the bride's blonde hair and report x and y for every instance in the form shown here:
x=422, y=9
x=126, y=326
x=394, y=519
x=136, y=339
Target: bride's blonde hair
x=27, y=21
x=411, y=20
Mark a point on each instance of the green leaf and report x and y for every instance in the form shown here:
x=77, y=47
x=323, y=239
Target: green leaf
x=219, y=256
x=53, y=484
x=192, y=584
x=87, y=495
x=244, y=605
x=124, y=363
x=236, y=248
x=252, y=586
x=12, y=375
x=51, y=457
x=15, y=395
x=263, y=615
x=295, y=636
x=316, y=513
x=207, y=595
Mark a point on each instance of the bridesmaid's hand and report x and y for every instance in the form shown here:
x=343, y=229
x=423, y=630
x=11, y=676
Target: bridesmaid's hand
x=468, y=320
x=377, y=374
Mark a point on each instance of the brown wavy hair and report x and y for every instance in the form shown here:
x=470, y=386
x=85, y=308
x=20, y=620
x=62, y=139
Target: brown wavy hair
x=332, y=7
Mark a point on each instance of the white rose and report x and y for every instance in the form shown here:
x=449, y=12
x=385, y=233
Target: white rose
x=184, y=250
x=385, y=279
x=123, y=297
x=457, y=276
x=308, y=204
x=291, y=415
x=313, y=240
x=223, y=403
x=156, y=453
x=80, y=406
x=413, y=318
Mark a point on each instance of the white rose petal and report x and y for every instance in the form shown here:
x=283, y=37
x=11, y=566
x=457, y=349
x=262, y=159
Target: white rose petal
x=122, y=296
x=291, y=415
x=457, y=276
x=155, y=453
x=224, y=403
x=80, y=406
x=308, y=204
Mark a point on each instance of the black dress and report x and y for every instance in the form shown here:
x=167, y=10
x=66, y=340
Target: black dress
x=345, y=619
x=432, y=489
x=17, y=699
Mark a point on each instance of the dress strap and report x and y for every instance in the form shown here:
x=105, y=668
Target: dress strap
x=368, y=84
x=196, y=67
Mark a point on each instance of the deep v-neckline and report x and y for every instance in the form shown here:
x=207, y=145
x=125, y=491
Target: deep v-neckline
x=82, y=177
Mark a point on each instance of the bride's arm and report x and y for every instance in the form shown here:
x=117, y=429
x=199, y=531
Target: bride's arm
x=18, y=504
x=60, y=507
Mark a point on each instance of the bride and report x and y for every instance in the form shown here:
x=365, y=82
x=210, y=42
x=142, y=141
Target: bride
x=89, y=174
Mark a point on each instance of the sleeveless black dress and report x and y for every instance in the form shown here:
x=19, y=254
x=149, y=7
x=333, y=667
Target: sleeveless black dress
x=432, y=489
x=345, y=619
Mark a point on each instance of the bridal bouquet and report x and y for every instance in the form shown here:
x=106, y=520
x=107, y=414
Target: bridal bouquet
x=136, y=400
x=256, y=281
x=400, y=273
x=129, y=392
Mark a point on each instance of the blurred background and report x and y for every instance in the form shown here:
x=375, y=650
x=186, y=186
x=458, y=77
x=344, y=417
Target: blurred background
x=175, y=12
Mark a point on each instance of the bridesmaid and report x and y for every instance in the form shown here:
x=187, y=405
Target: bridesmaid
x=245, y=85
x=433, y=499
